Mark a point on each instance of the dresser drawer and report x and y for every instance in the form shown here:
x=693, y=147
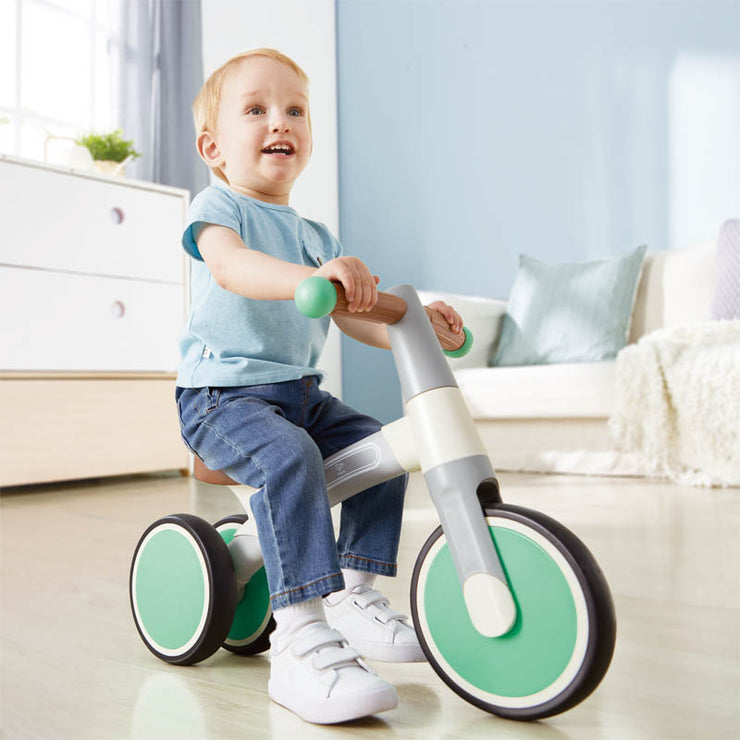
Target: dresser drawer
x=82, y=428
x=55, y=321
x=78, y=223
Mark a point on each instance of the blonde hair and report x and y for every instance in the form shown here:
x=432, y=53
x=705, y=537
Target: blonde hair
x=208, y=101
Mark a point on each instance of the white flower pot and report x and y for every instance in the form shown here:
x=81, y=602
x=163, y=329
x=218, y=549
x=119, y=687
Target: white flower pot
x=110, y=168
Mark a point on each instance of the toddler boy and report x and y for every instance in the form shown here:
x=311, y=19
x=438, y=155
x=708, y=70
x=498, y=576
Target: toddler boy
x=249, y=400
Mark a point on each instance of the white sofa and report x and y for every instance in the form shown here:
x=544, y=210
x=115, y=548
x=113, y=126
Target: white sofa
x=553, y=418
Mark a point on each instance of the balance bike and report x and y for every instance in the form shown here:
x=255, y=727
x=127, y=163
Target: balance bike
x=510, y=607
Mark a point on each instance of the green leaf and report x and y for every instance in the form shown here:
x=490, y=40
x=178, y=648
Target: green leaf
x=111, y=147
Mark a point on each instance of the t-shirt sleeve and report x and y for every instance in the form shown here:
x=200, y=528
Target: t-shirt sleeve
x=211, y=206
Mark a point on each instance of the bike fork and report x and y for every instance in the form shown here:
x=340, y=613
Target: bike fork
x=455, y=465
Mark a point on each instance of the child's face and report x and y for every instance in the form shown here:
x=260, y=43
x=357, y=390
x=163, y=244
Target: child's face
x=263, y=103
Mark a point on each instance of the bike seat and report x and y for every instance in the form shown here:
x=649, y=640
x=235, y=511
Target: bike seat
x=202, y=473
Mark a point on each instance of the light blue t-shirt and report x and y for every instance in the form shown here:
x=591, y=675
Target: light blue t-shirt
x=230, y=340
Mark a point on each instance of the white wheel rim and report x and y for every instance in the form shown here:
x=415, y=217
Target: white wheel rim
x=181, y=650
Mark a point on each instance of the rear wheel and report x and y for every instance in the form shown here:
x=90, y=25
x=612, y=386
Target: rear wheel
x=182, y=589
x=253, y=621
x=562, y=642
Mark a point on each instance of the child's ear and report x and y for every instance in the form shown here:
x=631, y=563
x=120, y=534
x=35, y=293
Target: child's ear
x=208, y=149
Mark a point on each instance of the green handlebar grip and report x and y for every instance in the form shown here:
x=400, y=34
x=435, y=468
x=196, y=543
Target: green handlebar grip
x=464, y=348
x=315, y=297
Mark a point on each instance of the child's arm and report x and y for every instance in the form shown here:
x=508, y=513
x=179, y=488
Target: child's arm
x=376, y=335
x=254, y=274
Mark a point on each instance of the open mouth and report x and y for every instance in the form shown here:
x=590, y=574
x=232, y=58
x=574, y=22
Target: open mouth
x=279, y=150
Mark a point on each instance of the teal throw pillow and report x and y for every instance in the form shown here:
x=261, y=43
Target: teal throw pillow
x=577, y=312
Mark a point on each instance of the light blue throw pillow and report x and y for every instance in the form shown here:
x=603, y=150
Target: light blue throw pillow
x=576, y=312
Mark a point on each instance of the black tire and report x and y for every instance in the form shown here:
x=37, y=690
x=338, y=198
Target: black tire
x=585, y=654
x=260, y=642
x=184, y=619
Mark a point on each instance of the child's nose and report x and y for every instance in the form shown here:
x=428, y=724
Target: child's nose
x=279, y=123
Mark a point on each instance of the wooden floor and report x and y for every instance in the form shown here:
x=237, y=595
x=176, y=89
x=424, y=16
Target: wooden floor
x=73, y=665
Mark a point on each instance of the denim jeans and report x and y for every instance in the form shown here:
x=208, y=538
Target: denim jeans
x=274, y=437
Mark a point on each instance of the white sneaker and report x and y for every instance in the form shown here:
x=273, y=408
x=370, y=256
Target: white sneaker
x=375, y=630
x=320, y=678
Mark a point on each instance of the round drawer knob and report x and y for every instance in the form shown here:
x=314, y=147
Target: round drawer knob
x=117, y=216
x=117, y=309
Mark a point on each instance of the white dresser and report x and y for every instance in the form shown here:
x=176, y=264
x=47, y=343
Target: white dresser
x=92, y=303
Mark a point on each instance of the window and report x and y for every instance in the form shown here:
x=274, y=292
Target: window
x=57, y=76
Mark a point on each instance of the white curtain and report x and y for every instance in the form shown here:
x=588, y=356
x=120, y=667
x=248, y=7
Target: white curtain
x=160, y=73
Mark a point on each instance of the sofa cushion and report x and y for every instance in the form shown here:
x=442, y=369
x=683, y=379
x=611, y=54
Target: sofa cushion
x=576, y=390
x=573, y=312
x=726, y=301
x=676, y=288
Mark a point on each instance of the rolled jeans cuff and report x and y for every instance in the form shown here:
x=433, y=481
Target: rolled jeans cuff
x=320, y=587
x=369, y=565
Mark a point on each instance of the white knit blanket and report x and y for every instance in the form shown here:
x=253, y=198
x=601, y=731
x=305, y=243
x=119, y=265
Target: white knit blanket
x=677, y=403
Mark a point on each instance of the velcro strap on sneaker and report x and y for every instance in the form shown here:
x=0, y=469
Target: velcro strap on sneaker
x=370, y=598
x=316, y=637
x=333, y=657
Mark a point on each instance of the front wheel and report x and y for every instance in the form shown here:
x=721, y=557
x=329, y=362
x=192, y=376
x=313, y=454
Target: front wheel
x=562, y=642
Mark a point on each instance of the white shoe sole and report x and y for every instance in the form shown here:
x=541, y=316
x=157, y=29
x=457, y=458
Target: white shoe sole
x=335, y=709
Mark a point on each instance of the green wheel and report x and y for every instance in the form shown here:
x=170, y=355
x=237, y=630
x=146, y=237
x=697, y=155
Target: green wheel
x=253, y=621
x=562, y=642
x=182, y=589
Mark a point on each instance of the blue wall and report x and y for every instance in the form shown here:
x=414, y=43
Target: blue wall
x=472, y=131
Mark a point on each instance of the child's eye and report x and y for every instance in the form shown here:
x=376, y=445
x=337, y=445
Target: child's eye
x=295, y=112
x=255, y=110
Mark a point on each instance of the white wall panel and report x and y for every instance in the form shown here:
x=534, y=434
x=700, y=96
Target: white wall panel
x=305, y=31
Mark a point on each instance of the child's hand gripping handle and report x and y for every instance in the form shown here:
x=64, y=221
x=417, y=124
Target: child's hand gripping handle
x=316, y=297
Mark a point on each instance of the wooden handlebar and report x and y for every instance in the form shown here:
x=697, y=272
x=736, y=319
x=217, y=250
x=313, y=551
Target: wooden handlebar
x=388, y=310
x=448, y=340
x=391, y=308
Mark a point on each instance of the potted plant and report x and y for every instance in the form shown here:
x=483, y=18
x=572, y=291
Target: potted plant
x=110, y=151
